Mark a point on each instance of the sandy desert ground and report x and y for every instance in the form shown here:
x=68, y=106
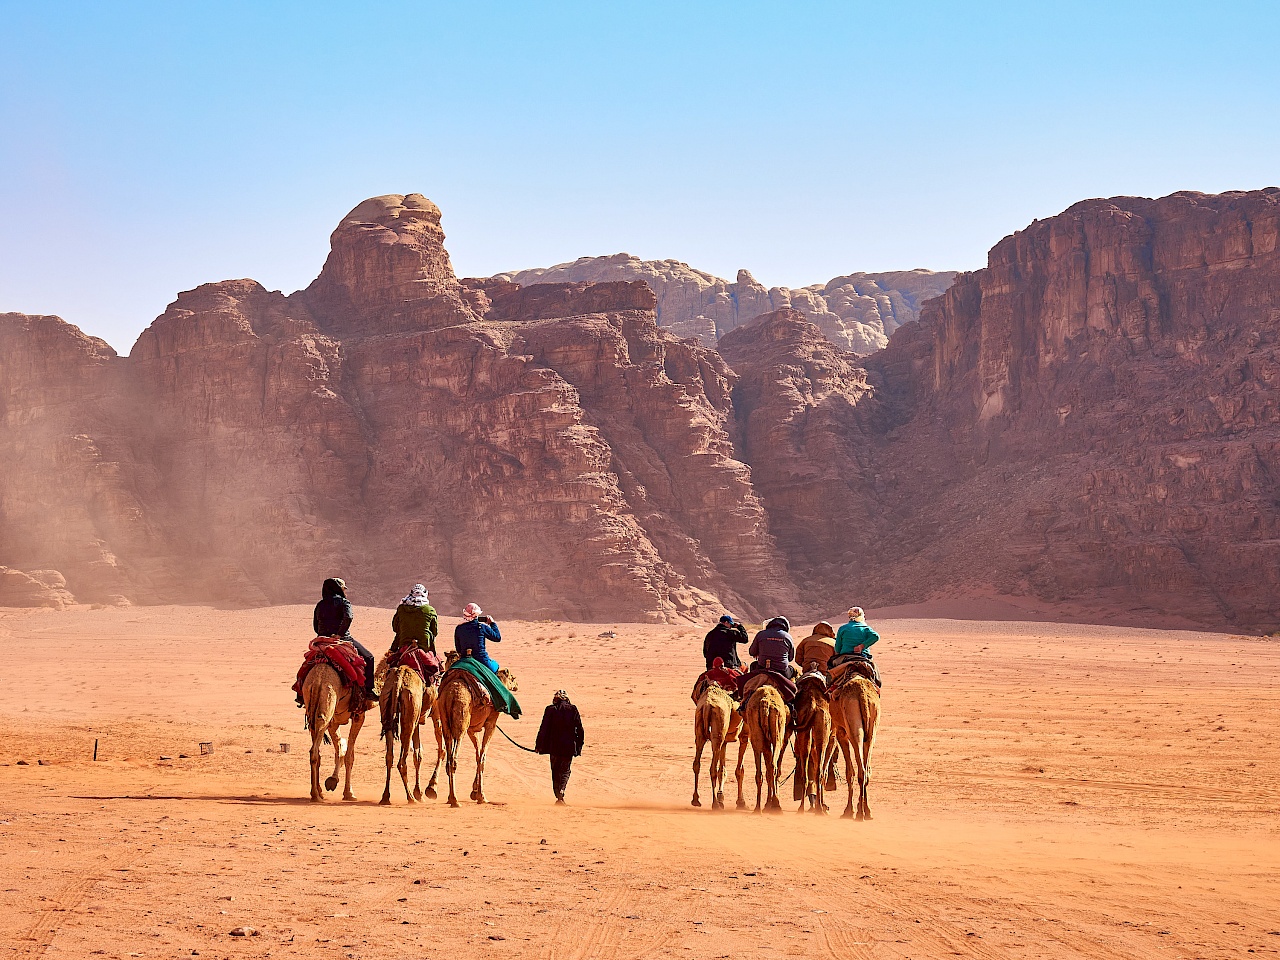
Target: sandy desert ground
x=1041, y=790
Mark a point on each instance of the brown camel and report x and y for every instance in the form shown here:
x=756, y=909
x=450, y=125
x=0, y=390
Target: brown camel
x=855, y=709
x=711, y=721
x=815, y=742
x=406, y=702
x=765, y=729
x=464, y=708
x=325, y=703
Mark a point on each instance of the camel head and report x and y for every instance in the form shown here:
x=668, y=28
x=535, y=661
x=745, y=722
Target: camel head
x=508, y=679
x=450, y=658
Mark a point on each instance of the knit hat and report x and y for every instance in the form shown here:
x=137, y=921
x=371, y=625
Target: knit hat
x=471, y=611
x=855, y=613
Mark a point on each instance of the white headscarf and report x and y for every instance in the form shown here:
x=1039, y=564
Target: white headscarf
x=471, y=611
x=417, y=596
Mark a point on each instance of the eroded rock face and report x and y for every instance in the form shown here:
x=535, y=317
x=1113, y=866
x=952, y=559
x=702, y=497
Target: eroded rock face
x=1093, y=418
x=1105, y=397
x=856, y=312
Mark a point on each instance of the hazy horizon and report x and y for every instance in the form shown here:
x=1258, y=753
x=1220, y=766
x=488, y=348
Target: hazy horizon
x=149, y=149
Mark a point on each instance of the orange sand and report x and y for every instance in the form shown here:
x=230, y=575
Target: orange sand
x=1040, y=790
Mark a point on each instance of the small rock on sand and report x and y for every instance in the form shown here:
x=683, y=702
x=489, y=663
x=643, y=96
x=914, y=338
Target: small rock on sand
x=244, y=932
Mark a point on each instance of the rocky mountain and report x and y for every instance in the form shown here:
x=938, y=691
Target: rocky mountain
x=857, y=312
x=1091, y=420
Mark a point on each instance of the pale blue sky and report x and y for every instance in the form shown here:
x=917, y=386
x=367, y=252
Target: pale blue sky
x=149, y=147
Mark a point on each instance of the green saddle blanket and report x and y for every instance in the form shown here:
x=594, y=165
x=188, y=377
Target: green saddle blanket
x=503, y=698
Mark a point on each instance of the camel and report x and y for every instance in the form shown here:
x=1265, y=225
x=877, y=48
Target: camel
x=855, y=710
x=815, y=742
x=463, y=708
x=711, y=722
x=325, y=703
x=406, y=702
x=765, y=729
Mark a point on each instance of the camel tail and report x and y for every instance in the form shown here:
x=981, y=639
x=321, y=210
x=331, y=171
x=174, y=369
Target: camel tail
x=391, y=706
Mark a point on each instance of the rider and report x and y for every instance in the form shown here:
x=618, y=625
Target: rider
x=332, y=618
x=723, y=641
x=774, y=649
x=818, y=646
x=471, y=635
x=415, y=622
x=852, y=642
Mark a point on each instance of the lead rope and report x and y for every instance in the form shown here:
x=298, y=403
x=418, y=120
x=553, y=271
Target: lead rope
x=521, y=746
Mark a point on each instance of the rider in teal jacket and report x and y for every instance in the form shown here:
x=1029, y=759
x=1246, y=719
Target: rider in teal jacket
x=855, y=636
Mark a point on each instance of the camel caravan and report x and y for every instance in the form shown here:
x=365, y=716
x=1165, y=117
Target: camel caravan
x=820, y=695
x=832, y=701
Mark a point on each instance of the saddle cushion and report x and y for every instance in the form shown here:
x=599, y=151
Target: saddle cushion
x=423, y=662
x=721, y=677
x=845, y=667
x=339, y=654
x=753, y=681
x=503, y=699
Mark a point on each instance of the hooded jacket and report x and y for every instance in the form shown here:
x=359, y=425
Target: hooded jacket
x=819, y=646
x=775, y=644
x=333, y=614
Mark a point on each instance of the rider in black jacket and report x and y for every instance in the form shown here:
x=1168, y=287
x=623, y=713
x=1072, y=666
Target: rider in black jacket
x=332, y=618
x=723, y=642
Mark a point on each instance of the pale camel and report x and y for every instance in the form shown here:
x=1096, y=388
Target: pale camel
x=711, y=721
x=765, y=729
x=815, y=742
x=464, y=708
x=325, y=704
x=406, y=702
x=855, y=710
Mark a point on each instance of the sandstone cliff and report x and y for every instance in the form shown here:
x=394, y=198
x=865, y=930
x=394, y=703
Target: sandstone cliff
x=1092, y=419
x=857, y=312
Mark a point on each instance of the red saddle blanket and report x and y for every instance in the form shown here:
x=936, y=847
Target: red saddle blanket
x=721, y=677
x=424, y=662
x=339, y=654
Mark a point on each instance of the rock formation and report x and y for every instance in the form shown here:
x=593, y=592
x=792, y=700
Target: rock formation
x=1093, y=419
x=857, y=312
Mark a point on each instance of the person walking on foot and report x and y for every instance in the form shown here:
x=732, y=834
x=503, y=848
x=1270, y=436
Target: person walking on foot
x=561, y=737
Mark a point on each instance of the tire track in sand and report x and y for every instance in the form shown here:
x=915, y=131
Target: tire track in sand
x=37, y=937
x=605, y=935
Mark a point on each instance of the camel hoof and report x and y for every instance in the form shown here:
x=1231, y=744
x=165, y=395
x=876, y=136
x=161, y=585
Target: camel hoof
x=331, y=784
x=317, y=799
x=717, y=804
x=830, y=784
x=349, y=798
x=431, y=793
x=453, y=803
x=847, y=815
x=385, y=802
x=417, y=794
x=696, y=802
x=741, y=804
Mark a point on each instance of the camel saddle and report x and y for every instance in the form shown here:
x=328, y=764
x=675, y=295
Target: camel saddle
x=844, y=669
x=721, y=677
x=339, y=654
x=753, y=680
x=423, y=662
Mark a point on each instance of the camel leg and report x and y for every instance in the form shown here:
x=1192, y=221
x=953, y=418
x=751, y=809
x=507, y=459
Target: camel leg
x=868, y=741
x=386, y=790
x=356, y=723
x=317, y=796
x=759, y=776
x=331, y=782
x=417, y=762
x=452, y=744
x=477, y=793
x=700, y=741
x=800, y=784
x=743, y=740
x=833, y=757
x=718, y=751
x=848, y=773
x=772, y=763
x=402, y=765
x=431, y=784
